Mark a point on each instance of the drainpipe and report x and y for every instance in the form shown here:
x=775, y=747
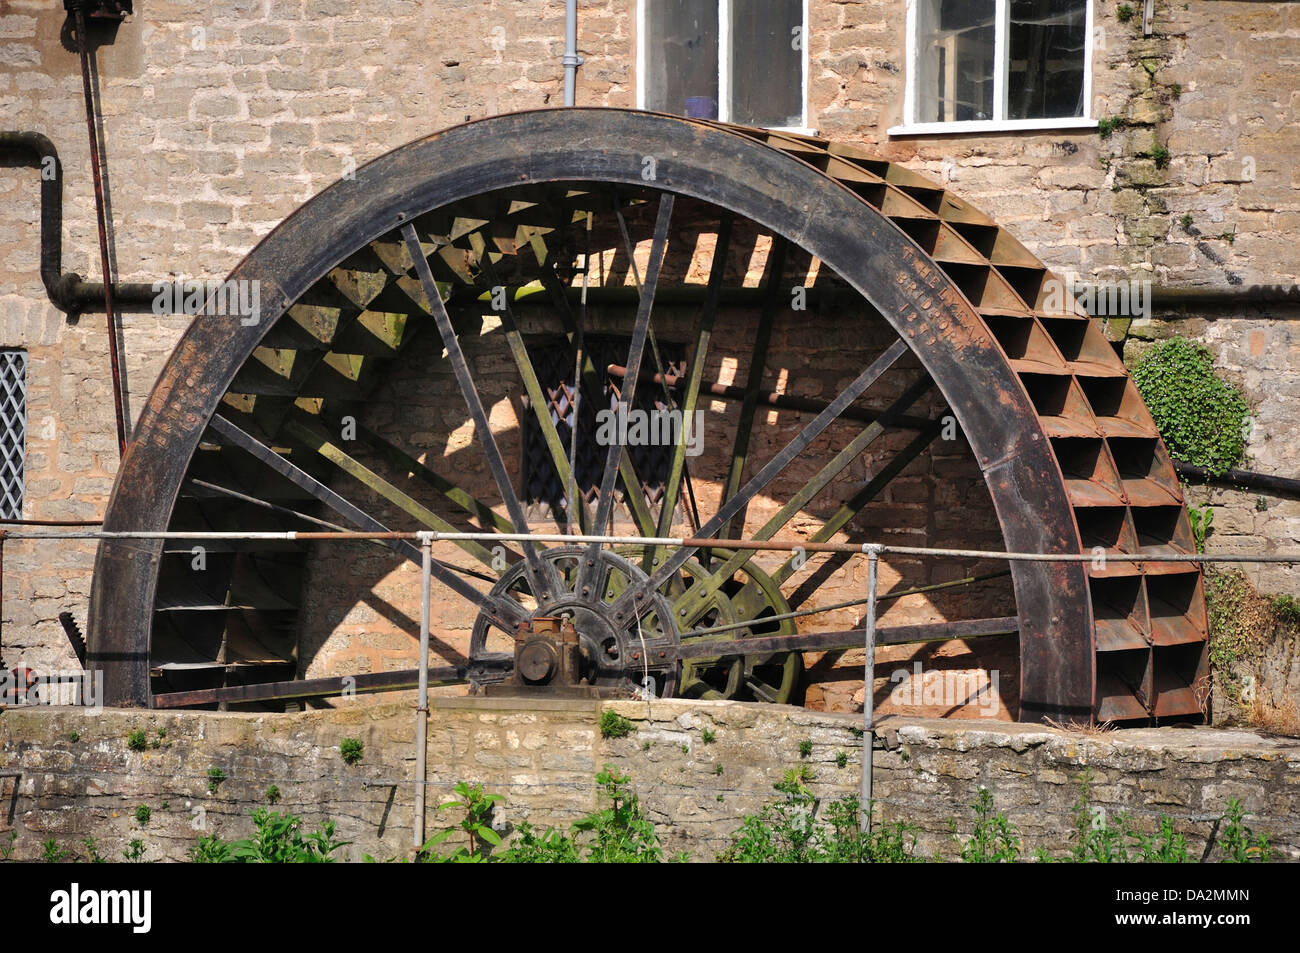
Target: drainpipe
x=66, y=291
x=78, y=8
x=571, y=59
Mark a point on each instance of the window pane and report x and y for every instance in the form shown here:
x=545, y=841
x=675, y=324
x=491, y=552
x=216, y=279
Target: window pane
x=956, y=60
x=1045, y=75
x=767, y=62
x=681, y=52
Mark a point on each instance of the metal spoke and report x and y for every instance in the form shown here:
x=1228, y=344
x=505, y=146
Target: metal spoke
x=692, y=600
x=323, y=444
x=772, y=295
x=542, y=579
x=864, y=496
x=677, y=468
x=765, y=476
x=519, y=351
x=588, y=379
x=500, y=613
x=627, y=393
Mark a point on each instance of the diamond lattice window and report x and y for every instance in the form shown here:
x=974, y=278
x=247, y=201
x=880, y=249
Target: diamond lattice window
x=13, y=432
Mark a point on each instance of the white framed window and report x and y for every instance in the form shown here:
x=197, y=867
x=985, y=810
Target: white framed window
x=742, y=61
x=997, y=65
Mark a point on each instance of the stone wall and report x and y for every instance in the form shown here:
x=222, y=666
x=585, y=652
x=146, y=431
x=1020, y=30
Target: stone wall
x=79, y=778
x=217, y=127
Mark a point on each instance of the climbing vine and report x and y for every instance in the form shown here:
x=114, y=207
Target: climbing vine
x=1201, y=417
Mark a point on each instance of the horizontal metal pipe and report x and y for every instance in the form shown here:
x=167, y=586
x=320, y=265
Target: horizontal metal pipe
x=1240, y=478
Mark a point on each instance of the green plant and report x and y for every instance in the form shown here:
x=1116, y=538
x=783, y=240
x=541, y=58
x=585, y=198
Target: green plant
x=1124, y=12
x=1288, y=609
x=52, y=853
x=708, y=736
x=92, y=851
x=1160, y=154
x=841, y=759
x=272, y=795
x=645, y=746
x=136, y=740
x=142, y=814
x=1240, y=625
x=1106, y=125
x=993, y=839
x=620, y=833
x=1228, y=237
x=1201, y=520
x=1186, y=221
x=74, y=736
x=686, y=749
x=1201, y=418
x=278, y=839
x=134, y=851
x=805, y=748
x=7, y=848
x=351, y=750
x=215, y=777
x=614, y=725
x=1261, y=504
x=476, y=810
x=210, y=850
x=717, y=768
x=1238, y=843
x=530, y=847
x=164, y=805
x=1176, y=90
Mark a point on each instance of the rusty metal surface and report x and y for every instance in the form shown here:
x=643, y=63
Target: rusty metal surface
x=958, y=290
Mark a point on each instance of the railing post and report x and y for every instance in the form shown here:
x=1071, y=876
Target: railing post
x=868, y=685
x=422, y=708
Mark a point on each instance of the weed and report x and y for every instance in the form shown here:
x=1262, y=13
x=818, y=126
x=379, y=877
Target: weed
x=215, y=777
x=134, y=851
x=351, y=750
x=92, y=851
x=7, y=848
x=1124, y=12
x=1238, y=843
x=1176, y=90
x=993, y=839
x=645, y=746
x=1288, y=609
x=52, y=853
x=74, y=736
x=136, y=740
x=686, y=749
x=1160, y=154
x=475, y=823
x=841, y=759
x=717, y=769
x=1186, y=221
x=1201, y=520
x=273, y=795
x=551, y=847
x=805, y=748
x=614, y=725
x=142, y=814
x=1228, y=237
x=621, y=833
x=1107, y=125
x=708, y=736
x=277, y=839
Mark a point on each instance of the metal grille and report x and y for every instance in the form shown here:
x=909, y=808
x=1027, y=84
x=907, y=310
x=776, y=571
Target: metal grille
x=13, y=432
x=554, y=366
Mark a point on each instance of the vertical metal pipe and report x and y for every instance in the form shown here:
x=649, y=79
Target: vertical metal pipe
x=422, y=711
x=571, y=59
x=868, y=685
x=84, y=49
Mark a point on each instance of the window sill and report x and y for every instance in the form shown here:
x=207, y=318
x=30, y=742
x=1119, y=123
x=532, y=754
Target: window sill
x=976, y=126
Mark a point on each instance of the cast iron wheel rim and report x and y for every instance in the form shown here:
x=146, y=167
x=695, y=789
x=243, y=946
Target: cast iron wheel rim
x=867, y=221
